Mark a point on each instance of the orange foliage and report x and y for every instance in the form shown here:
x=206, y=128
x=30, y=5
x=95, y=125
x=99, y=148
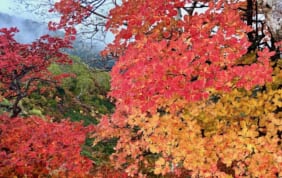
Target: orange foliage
x=189, y=100
x=164, y=84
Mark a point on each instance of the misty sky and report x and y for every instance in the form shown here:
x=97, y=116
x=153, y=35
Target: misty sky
x=5, y=5
x=14, y=8
x=9, y=6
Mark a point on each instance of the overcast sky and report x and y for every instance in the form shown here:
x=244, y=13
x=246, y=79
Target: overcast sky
x=9, y=7
x=5, y=5
x=13, y=7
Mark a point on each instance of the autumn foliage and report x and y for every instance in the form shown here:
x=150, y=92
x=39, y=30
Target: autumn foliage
x=192, y=97
x=28, y=62
x=34, y=147
x=185, y=98
x=72, y=13
x=24, y=67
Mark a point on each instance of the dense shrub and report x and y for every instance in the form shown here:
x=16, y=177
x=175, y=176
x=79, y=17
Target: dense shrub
x=37, y=147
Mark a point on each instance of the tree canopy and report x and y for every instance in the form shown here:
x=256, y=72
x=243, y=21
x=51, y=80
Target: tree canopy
x=196, y=87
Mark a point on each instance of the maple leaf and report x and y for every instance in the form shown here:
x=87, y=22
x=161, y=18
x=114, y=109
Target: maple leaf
x=34, y=147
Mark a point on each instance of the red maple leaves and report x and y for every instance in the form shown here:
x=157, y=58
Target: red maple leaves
x=72, y=13
x=34, y=147
x=180, y=57
x=28, y=62
x=24, y=66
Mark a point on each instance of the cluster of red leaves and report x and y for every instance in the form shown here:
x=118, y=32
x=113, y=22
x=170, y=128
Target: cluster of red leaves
x=26, y=64
x=34, y=147
x=180, y=57
x=72, y=13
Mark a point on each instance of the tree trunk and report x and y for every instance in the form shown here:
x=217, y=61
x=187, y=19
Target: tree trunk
x=273, y=12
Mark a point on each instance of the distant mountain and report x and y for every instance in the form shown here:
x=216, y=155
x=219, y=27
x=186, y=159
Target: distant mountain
x=30, y=30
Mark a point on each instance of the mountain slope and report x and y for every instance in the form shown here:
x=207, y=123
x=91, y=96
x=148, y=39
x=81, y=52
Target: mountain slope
x=31, y=30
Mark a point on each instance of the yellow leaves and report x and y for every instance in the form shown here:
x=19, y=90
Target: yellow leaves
x=243, y=104
x=153, y=148
x=271, y=123
x=233, y=130
x=160, y=162
x=248, y=129
x=251, y=147
x=248, y=58
x=276, y=76
x=161, y=166
x=277, y=99
x=195, y=158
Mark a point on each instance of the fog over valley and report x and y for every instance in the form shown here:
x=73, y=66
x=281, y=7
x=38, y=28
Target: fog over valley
x=30, y=30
